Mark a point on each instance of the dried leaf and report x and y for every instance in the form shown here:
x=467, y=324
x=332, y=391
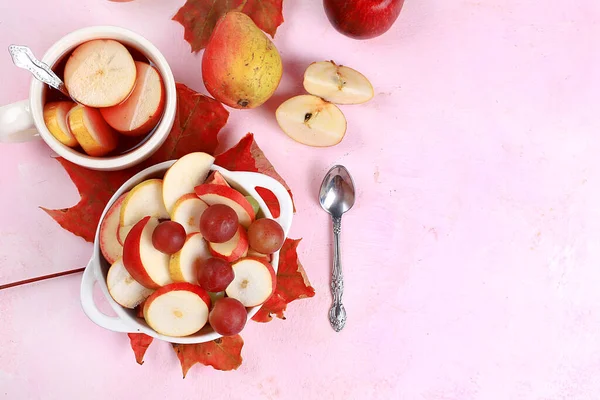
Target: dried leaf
x=223, y=354
x=197, y=124
x=139, y=343
x=266, y=14
x=292, y=284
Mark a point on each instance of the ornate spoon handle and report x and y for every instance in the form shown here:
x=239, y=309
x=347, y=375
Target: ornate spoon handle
x=337, y=312
x=24, y=58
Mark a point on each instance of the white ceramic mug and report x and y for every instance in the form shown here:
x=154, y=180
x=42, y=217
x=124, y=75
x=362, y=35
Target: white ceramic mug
x=24, y=120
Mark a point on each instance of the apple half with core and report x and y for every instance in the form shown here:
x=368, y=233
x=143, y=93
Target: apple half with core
x=312, y=121
x=337, y=84
x=254, y=281
x=125, y=290
x=219, y=194
x=179, y=309
x=233, y=249
x=146, y=264
x=181, y=178
x=184, y=264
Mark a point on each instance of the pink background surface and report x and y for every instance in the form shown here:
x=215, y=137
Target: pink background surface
x=471, y=257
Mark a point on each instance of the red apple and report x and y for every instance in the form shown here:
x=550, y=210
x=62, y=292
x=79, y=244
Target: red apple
x=362, y=19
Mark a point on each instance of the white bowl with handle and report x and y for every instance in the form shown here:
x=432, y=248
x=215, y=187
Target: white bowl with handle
x=97, y=268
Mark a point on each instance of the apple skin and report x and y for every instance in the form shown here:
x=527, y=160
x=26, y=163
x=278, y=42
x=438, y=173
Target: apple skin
x=362, y=19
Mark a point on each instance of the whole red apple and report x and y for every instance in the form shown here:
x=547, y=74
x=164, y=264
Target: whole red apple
x=362, y=19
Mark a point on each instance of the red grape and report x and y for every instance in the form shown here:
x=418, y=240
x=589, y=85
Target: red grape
x=218, y=223
x=265, y=235
x=168, y=237
x=228, y=316
x=215, y=274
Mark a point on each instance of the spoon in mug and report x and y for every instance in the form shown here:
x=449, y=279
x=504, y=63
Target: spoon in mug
x=23, y=57
x=336, y=197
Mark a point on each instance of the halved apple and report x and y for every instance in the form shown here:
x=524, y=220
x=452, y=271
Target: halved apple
x=125, y=290
x=254, y=281
x=233, y=249
x=337, y=83
x=142, y=110
x=92, y=132
x=100, y=73
x=146, y=264
x=109, y=244
x=216, y=178
x=179, y=309
x=144, y=199
x=187, y=211
x=181, y=178
x=219, y=194
x=312, y=121
x=184, y=264
x=55, y=118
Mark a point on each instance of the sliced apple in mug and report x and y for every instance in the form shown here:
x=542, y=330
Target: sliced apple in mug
x=185, y=174
x=125, y=290
x=55, y=118
x=100, y=73
x=219, y=194
x=110, y=246
x=233, y=249
x=312, y=121
x=144, y=199
x=187, y=211
x=179, y=309
x=142, y=110
x=184, y=264
x=93, y=134
x=146, y=264
x=337, y=83
x=254, y=281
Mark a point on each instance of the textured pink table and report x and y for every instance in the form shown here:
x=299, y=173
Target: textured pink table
x=472, y=257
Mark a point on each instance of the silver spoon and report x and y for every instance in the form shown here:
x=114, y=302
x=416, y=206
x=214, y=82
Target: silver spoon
x=23, y=57
x=336, y=197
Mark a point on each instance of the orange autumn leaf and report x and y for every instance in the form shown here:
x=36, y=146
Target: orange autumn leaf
x=223, y=354
x=197, y=123
x=292, y=284
x=199, y=17
x=139, y=343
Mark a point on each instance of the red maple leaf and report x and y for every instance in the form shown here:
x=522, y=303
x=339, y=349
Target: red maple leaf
x=223, y=354
x=139, y=344
x=199, y=17
x=292, y=284
x=197, y=124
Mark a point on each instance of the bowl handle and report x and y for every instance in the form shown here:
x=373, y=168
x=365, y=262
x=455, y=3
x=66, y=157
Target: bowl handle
x=252, y=180
x=89, y=306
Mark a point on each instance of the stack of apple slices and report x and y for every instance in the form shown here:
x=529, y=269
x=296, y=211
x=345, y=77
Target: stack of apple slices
x=314, y=119
x=190, y=248
x=115, y=94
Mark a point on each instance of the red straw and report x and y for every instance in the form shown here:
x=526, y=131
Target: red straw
x=41, y=278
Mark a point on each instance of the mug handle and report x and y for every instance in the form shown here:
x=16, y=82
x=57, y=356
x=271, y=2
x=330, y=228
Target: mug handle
x=16, y=123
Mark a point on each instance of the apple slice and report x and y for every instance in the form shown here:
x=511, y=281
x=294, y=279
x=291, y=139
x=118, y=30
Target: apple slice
x=181, y=178
x=55, y=118
x=142, y=110
x=125, y=290
x=233, y=249
x=144, y=199
x=183, y=265
x=110, y=246
x=256, y=254
x=219, y=194
x=312, y=121
x=216, y=178
x=100, y=73
x=178, y=309
x=337, y=83
x=93, y=134
x=146, y=264
x=187, y=211
x=254, y=281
